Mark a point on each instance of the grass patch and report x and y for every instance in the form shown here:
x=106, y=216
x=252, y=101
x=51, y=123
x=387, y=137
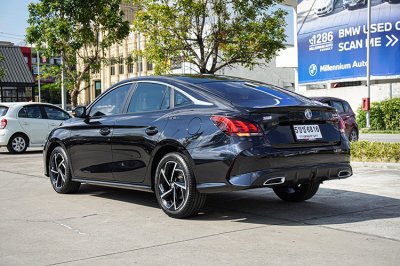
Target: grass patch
x=375, y=131
x=367, y=151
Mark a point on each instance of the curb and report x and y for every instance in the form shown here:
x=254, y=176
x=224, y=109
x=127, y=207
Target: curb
x=375, y=165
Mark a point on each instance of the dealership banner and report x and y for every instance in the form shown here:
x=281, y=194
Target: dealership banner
x=332, y=39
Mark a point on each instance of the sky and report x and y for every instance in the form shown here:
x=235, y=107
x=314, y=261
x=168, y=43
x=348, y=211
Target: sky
x=14, y=16
x=13, y=20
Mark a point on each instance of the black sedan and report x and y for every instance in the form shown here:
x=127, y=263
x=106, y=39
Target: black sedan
x=185, y=136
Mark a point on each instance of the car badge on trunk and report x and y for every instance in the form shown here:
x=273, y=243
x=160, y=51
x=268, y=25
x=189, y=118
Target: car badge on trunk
x=308, y=113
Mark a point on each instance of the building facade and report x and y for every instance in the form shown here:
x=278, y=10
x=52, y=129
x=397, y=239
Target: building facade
x=120, y=67
x=17, y=85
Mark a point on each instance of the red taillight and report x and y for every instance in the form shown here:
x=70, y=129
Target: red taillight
x=3, y=123
x=341, y=125
x=235, y=127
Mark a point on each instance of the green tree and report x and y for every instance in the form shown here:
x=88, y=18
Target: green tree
x=211, y=34
x=78, y=31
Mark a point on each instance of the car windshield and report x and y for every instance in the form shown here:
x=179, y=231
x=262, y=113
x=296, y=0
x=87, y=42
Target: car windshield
x=3, y=110
x=253, y=94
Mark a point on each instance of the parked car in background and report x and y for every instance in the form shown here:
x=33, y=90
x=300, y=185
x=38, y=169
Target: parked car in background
x=324, y=7
x=391, y=1
x=348, y=4
x=185, y=136
x=345, y=112
x=24, y=124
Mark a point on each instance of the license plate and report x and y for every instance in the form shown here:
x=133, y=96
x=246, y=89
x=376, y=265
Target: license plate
x=307, y=132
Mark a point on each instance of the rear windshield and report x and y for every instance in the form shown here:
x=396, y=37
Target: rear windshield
x=255, y=95
x=3, y=110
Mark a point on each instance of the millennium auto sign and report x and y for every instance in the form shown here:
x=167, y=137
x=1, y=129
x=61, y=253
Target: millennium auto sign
x=332, y=40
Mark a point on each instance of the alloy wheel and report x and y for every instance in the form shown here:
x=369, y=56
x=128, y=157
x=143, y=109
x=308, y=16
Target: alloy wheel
x=18, y=144
x=172, y=186
x=353, y=135
x=58, y=170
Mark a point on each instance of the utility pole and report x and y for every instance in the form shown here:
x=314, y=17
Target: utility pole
x=139, y=57
x=63, y=91
x=369, y=62
x=38, y=75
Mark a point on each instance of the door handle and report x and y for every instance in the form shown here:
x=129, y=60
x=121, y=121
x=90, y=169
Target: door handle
x=53, y=124
x=105, y=131
x=151, y=131
x=25, y=123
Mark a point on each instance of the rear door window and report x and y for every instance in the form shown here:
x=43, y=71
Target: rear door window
x=150, y=97
x=3, y=110
x=180, y=99
x=347, y=107
x=252, y=94
x=30, y=111
x=338, y=106
x=54, y=113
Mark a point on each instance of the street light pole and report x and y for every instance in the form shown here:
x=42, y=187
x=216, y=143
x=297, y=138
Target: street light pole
x=368, y=117
x=139, y=57
x=63, y=92
x=38, y=75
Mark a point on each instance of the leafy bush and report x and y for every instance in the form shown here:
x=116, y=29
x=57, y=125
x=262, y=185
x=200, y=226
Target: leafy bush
x=367, y=151
x=385, y=115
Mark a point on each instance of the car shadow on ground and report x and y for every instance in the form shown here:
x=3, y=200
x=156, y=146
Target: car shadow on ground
x=261, y=206
x=28, y=152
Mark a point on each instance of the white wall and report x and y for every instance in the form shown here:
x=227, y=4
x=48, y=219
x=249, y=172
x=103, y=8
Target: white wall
x=270, y=74
x=354, y=95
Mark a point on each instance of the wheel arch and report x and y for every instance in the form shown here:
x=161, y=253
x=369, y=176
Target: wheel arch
x=21, y=133
x=54, y=144
x=163, y=149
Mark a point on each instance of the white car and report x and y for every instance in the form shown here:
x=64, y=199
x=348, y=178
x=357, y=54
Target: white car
x=324, y=7
x=24, y=125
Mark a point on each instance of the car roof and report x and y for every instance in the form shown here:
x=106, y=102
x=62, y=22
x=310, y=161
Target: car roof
x=192, y=79
x=17, y=104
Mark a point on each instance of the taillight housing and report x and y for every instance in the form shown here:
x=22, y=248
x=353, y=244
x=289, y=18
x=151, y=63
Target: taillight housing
x=341, y=125
x=236, y=127
x=3, y=123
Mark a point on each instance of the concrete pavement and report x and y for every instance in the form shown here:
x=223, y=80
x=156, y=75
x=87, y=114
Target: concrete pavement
x=353, y=222
x=380, y=137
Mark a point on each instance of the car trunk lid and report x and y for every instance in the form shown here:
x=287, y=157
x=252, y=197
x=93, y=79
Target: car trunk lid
x=298, y=126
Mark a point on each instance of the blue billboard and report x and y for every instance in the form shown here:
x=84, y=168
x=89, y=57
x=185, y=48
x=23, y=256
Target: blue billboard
x=332, y=39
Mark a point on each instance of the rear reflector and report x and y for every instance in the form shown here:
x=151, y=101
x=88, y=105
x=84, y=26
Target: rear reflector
x=235, y=127
x=3, y=123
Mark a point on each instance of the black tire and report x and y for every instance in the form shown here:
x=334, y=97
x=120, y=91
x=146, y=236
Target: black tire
x=175, y=187
x=297, y=193
x=353, y=135
x=18, y=144
x=60, y=172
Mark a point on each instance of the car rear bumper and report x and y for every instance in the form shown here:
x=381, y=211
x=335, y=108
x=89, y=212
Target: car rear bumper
x=4, y=137
x=280, y=177
x=266, y=166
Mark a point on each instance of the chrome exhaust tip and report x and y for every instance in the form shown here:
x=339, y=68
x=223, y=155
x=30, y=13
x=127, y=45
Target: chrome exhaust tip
x=344, y=173
x=274, y=181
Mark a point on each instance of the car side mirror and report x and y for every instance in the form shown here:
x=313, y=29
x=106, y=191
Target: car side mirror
x=79, y=112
